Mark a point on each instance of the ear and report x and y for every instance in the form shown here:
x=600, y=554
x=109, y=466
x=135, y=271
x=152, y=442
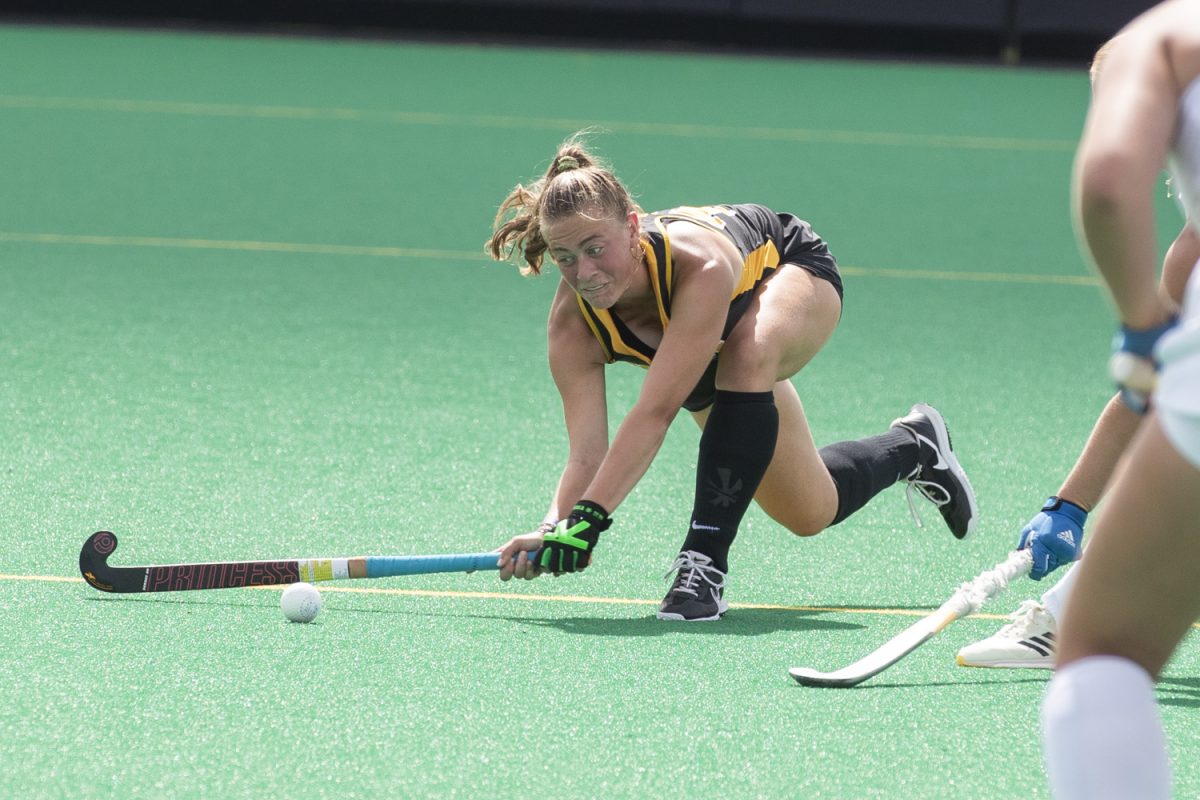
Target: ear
x=635, y=226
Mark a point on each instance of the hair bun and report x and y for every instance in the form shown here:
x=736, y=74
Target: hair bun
x=565, y=164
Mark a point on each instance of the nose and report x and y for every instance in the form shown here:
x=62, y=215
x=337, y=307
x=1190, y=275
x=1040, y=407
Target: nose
x=586, y=268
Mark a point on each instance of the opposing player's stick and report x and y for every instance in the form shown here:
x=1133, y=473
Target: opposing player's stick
x=967, y=599
x=93, y=563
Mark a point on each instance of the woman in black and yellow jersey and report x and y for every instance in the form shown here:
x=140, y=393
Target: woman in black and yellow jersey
x=721, y=305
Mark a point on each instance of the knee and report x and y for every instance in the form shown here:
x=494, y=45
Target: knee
x=801, y=524
x=804, y=513
x=746, y=365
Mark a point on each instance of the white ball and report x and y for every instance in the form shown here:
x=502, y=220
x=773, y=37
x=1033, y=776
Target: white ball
x=301, y=602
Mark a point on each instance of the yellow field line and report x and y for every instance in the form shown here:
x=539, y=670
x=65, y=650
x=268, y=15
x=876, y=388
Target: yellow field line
x=984, y=277
x=472, y=255
x=565, y=125
x=247, y=246
x=541, y=598
x=41, y=578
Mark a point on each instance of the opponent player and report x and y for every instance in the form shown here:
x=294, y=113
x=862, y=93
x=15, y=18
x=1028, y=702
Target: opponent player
x=1055, y=534
x=721, y=305
x=1138, y=590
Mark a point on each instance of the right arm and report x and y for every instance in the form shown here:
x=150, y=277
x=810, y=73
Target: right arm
x=577, y=366
x=1122, y=152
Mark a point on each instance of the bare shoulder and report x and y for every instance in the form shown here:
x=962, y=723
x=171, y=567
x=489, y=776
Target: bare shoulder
x=695, y=246
x=1173, y=29
x=1184, y=45
x=1180, y=15
x=1148, y=64
x=1166, y=15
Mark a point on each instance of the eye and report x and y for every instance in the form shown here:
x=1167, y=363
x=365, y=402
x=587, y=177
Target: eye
x=563, y=259
x=595, y=250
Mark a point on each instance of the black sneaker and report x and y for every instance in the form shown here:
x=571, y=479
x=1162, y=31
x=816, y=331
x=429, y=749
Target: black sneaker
x=939, y=478
x=697, y=594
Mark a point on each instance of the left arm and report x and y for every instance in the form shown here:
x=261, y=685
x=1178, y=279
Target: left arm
x=707, y=268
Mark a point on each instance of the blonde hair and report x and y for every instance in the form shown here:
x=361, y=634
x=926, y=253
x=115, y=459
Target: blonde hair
x=576, y=182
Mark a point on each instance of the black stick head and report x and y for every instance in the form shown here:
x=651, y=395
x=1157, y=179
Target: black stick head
x=93, y=564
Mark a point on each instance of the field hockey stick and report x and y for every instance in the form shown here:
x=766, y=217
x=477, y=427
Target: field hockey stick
x=967, y=599
x=93, y=563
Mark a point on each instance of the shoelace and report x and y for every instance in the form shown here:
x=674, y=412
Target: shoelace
x=1022, y=620
x=932, y=492
x=691, y=572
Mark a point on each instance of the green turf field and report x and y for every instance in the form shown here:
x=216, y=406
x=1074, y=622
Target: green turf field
x=246, y=315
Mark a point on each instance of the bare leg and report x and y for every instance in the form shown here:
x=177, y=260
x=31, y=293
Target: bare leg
x=793, y=315
x=784, y=328
x=1136, y=595
x=797, y=491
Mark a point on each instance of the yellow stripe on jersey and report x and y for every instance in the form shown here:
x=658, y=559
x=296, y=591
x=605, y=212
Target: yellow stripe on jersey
x=607, y=334
x=756, y=264
x=668, y=279
x=618, y=342
x=620, y=348
x=705, y=216
x=762, y=260
x=600, y=337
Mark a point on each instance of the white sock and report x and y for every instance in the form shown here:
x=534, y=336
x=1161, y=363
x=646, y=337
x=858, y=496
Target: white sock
x=1055, y=598
x=1102, y=737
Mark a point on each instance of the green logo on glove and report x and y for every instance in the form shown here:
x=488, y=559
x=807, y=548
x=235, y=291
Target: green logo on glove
x=569, y=547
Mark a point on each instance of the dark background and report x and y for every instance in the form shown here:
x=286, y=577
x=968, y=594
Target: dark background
x=998, y=31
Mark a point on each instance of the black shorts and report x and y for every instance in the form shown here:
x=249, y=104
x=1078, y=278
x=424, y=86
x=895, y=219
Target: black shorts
x=801, y=248
x=808, y=251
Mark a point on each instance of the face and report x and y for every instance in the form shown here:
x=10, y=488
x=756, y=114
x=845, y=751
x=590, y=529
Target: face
x=598, y=258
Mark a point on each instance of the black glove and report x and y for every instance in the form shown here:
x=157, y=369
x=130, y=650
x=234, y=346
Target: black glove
x=569, y=547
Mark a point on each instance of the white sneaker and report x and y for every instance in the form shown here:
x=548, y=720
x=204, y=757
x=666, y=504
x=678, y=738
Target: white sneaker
x=1027, y=641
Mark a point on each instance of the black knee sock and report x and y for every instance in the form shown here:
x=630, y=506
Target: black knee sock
x=862, y=468
x=735, y=450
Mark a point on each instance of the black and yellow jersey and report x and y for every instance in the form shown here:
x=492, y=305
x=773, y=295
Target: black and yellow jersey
x=765, y=239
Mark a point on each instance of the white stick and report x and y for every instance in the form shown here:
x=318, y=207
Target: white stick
x=967, y=599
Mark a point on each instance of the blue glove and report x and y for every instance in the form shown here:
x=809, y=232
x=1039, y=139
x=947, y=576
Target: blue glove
x=569, y=547
x=1053, y=536
x=1133, y=364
